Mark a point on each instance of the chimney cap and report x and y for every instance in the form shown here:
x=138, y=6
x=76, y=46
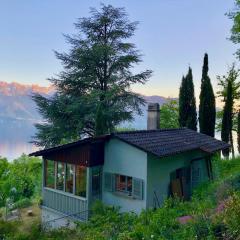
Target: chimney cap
x=153, y=107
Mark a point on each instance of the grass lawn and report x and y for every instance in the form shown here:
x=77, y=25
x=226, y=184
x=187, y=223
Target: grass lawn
x=27, y=221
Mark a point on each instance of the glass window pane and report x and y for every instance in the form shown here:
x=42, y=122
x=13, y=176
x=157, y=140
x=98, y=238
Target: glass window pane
x=49, y=174
x=60, y=176
x=124, y=184
x=129, y=185
x=121, y=183
x=81, y=181
x=69, y=178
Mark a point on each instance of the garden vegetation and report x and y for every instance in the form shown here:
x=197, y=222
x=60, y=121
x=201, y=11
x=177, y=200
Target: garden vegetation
x=212, y=213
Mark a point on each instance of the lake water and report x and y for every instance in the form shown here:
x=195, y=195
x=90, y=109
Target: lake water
x=15, y=136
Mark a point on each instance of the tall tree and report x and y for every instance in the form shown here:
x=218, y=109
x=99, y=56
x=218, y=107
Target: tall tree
x=187, y=103
x=207, y=107
x=230, y=94
x=238, y=130
x=227, y=117
x=94, y=89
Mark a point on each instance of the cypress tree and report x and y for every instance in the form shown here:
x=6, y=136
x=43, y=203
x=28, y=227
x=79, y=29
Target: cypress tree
x=207, y=108
x=230, y=94
x=182, y=103
x=187, y=103
x=238, y=130
x=227, y=117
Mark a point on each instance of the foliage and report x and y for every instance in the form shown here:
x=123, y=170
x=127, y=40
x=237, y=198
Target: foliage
x=3, y=176
x=238, y=130
x=169, y=114
x=229, y=93
x=187, y=103
x=20, y=179
x=94, y=89
x=125, y=129
x=22, y=203
x=6, y=228
x=207, y=108
x=227, y=117
x=235, y=30
x=231, y=216
x=208, y=221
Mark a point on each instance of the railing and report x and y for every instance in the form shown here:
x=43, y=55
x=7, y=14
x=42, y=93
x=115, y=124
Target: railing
x=65, y=203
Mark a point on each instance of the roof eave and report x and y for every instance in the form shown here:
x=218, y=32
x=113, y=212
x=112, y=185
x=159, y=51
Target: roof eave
x=68, y=145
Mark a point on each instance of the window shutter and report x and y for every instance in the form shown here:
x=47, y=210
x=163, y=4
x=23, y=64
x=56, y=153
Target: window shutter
x=137, y=188
x=109, y=182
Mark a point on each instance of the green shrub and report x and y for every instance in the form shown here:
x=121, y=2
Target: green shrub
x=231, y=216
x=22, y=203
x=6, y=229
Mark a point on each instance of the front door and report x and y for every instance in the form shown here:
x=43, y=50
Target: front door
x=196, y=173
x=180, y=182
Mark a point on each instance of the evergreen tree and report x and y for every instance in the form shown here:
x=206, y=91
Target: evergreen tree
x=207, y=108
x=230, y=94
x=238, y=130
x=187, y=103
x=94, y=89
x=227, y=117
x=182, y=103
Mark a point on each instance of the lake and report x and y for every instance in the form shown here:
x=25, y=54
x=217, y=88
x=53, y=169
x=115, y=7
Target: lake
x=15, y=137
x=16, y=134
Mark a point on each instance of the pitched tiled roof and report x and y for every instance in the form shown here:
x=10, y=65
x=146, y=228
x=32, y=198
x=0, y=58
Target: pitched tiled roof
x=161, y=143
x=167, y=142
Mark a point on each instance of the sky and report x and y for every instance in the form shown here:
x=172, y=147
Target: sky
x=172, y=35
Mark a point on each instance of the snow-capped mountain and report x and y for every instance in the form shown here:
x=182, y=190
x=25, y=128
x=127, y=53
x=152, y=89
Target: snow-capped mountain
x=18, y=113
x=16, y=102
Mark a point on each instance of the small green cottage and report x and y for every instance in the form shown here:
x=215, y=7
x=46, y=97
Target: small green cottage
x=134, y=170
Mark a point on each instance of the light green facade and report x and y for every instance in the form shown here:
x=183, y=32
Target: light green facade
x=159, y=170
x=125, y=159
x=122, y=158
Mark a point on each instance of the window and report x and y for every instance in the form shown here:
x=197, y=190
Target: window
x=81, y=181
x=69, y=178
x=60, y=176
x=130, y=186
x=124, y=184
x=50, y=174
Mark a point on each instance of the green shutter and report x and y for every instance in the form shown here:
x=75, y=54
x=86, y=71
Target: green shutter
x=137, y=188
x=109, y=182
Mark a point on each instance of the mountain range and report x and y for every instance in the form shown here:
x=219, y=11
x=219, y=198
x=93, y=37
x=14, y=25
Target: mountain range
x=18, y=113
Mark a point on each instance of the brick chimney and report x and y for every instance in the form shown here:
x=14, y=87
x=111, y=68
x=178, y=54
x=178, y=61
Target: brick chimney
x=153, y=120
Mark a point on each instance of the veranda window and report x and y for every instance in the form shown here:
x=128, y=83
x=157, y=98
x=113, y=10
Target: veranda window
x=60, y=176
x=81, y=181
x=69, y=178
x=50, y=174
